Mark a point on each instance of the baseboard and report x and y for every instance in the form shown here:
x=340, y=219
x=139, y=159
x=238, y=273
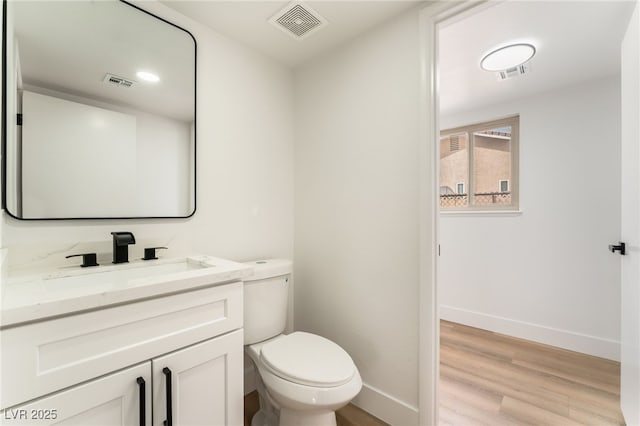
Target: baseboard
x=583, y=343
x=385, y=407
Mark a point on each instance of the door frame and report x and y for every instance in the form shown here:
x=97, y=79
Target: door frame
x=629, y=371
x=430, y=19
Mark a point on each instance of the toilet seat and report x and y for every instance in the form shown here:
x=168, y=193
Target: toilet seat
x=308, y=359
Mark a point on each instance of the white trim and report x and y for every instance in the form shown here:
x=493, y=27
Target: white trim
x=486, y=213
x=583, y=343
x=429, y=204
x=504, y=138
x=463, y=188
x=386, y=407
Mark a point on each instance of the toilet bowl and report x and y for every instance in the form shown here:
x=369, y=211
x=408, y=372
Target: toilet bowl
x=302, y=378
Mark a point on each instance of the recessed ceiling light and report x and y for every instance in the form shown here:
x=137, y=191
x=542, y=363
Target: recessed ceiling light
x=508, y=57
x=148, y=76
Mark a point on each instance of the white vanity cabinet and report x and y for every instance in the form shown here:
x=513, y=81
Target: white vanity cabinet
x=113, y=400
x=86, y=365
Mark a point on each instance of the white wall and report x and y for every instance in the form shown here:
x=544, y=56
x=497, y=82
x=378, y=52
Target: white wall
x=244, y=169
x=356, y=203
x=546, y=274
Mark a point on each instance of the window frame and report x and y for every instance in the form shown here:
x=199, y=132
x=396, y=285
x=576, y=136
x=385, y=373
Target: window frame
x=500, y=185
x=458, y=186
x=514, y=122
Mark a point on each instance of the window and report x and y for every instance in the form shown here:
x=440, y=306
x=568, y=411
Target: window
x=472, y=159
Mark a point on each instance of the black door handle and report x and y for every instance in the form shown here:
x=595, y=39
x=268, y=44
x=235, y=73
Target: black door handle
x=619, y=247
x=142, y=385
x=167, y=374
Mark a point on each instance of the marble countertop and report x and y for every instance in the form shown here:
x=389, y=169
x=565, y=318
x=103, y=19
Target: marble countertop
x=65, y=291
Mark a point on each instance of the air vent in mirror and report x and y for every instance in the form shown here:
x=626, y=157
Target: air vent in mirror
x=117, y=81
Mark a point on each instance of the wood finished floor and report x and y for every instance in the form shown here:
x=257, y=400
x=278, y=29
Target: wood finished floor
x=491, y=379
x=346, y=416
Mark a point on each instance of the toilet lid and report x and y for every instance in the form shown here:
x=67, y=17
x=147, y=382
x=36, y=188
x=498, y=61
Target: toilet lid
x=308, y=359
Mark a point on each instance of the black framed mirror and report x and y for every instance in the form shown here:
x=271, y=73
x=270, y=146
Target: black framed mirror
x=99, y=106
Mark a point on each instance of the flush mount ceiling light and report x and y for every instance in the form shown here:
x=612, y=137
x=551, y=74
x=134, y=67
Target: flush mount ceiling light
x=148, y=76
x=508, y=57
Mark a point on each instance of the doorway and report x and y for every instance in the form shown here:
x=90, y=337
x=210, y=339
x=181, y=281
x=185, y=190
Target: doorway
x=538, y=270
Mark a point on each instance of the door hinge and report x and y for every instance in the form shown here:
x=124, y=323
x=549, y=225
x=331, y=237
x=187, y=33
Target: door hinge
x=19, y=119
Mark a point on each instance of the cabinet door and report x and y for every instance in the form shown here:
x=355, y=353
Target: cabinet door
x=108, y=401
x=202, y=382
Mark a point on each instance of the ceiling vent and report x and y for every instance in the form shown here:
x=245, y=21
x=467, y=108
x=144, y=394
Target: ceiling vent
x=298, y=20
x=514, y=72
x=117, y=81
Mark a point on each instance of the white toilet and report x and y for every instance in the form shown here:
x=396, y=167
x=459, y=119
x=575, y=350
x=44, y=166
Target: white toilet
x=301, y=378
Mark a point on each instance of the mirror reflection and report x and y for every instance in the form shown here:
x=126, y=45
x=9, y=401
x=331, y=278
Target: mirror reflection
x=100, y=112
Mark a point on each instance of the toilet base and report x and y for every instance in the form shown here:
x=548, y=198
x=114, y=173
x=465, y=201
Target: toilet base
x=267, y=417
x=268, y=414
x=264, y=418
x=307, y=418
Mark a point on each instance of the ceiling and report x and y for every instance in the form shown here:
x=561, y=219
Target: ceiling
x=248, y=22
x=576, y=41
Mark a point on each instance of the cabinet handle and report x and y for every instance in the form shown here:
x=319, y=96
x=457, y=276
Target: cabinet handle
x=142, y=385
x=167, y=373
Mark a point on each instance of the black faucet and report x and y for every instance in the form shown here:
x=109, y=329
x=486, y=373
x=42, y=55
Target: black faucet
x=121, y=241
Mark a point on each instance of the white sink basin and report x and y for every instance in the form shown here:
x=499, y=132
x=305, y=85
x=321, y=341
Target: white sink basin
x=124, y=273
x=69, y=290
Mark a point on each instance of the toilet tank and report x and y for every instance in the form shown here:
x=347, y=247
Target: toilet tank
x=266, y=294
